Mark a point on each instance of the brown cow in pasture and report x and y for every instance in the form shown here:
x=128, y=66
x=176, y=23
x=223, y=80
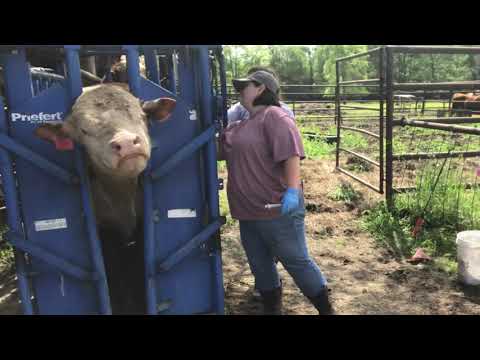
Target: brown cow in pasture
x=464, y=103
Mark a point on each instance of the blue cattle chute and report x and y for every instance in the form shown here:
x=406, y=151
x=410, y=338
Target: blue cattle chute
x=51, y=219
x=176, y=206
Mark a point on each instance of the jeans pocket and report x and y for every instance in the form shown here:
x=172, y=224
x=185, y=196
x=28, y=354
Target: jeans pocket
x=298, y=213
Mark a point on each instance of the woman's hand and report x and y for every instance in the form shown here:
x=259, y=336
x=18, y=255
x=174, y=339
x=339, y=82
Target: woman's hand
x=290, y=200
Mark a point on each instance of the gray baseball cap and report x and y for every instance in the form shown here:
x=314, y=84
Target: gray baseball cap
x=262, y=77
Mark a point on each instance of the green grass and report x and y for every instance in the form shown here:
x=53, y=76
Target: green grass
x=346, y=193
x=6, y=256
x=387, y=227
x=221, y=165
x=316, y=148
x=393, y=230
x=428, y=140
x=446, y=208
x=358, y=164
x=319, y=149
x=6, y=250
x=446, y=264
x=354, y=141
x=224, y=208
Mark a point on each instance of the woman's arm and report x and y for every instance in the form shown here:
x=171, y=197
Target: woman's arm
x=292, y=172
x=290, y=199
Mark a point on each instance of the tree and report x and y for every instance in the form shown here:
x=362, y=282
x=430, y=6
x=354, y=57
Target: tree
x=290, y=63
x=309, y=50
x=308, y=64
x=355, y=69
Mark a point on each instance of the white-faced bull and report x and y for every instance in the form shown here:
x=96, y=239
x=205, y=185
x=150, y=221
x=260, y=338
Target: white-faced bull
x=112, y=125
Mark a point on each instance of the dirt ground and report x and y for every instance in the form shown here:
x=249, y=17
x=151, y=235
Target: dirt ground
x=9, y=303
x=363, y=277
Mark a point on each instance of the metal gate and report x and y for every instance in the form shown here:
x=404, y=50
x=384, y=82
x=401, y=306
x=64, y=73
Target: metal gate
x=348, y=123
x=390, y=119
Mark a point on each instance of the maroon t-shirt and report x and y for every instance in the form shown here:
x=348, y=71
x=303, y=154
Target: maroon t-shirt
x=255, y=151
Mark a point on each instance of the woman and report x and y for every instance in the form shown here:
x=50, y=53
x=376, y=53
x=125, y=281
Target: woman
x=263, y=160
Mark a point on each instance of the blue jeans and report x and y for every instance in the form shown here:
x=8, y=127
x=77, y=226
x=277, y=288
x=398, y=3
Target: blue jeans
x=282, y=238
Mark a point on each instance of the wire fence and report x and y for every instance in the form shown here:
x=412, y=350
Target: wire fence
x=429, y=152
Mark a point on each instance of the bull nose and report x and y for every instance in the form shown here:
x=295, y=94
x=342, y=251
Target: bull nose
x=126, y=145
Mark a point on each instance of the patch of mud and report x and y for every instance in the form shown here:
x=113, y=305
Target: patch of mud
x=320, y=208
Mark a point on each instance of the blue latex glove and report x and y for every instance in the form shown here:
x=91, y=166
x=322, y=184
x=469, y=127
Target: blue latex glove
x=290, y=200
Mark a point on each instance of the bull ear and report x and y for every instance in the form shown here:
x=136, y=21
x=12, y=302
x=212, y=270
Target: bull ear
x=57, y=134
x=160, y=109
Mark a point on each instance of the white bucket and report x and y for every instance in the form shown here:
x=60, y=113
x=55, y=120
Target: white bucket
x=468, y=257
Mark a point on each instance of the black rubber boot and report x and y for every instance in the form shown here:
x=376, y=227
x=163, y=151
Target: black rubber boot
x=272, y=301
x=322, y=302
